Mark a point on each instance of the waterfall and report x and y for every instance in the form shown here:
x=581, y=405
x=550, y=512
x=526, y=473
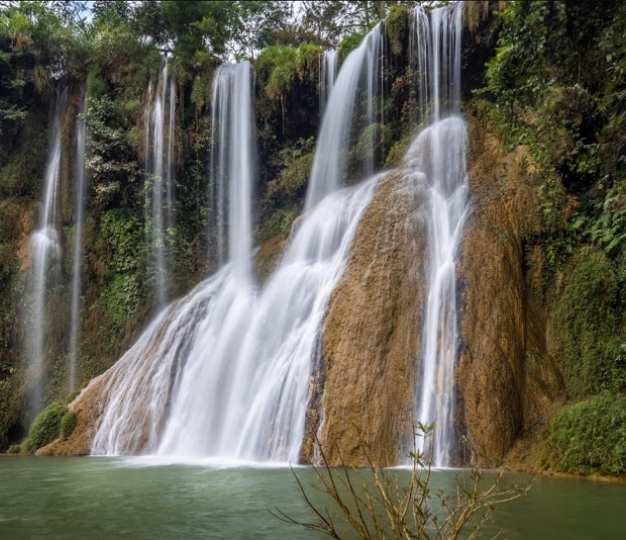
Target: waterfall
x=440, y=154
x=44, y=246
x=232, y=162
x=171, y=156
x=328, y=74
x=159, y=176
x=359, y=72
x=81, y=145
x=225, y=372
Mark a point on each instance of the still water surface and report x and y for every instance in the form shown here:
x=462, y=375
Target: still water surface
x=103, y=498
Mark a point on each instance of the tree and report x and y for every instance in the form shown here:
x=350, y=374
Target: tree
x=330, y=20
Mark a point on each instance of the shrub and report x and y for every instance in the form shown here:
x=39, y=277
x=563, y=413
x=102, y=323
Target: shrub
x=46, y=427
x=590, y=437
x=588, y=323
x=376, y=504
x=67, y=424
x=14, y=449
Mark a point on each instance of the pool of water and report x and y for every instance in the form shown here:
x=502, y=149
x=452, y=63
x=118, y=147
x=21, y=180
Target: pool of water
x=98, y=498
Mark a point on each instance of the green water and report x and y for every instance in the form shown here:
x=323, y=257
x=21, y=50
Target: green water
x=94, y=498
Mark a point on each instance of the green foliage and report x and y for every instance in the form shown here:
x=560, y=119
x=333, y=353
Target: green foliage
x=396, y=24
x=397, y=151
x=558, y=80
x=349, y=43
x=123, y=234
x=588, y=320
x=279, y=222
x=67, y=424
x=590, y=437
x=279, y=67
x=14, y=449
x=292, y=180
x=45, y=428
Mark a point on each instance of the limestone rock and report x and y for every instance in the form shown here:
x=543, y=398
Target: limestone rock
x=371, y=333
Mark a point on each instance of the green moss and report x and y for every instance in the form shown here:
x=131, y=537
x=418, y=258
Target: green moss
x=397, y=151
x=279, y=222
x=590, y=437
x=588, y=315
x=67, y=424
x=46, y=427
x=14, y=449
x=396, y=25
x=297, y=164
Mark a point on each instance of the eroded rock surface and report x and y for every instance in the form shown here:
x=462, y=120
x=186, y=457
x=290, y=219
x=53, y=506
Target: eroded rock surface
x=506, y=375
x=371, y=333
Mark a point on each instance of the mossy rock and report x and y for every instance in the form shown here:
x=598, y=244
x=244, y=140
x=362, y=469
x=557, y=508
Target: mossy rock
x=46, y=427
x=589, y=437
x=67, y=424
x=588, y=316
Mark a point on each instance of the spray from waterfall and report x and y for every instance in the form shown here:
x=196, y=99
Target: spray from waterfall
x=45, y=247
x=159, y=166
x=81, y=193
x=440, y=154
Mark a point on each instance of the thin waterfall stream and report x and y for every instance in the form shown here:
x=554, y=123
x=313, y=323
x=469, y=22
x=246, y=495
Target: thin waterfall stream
x=44, y=246
x=159, y=148
x=81, y=193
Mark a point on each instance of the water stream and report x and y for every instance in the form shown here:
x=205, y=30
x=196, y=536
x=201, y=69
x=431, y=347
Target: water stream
x=81, y=193
x=225, y=372
x=44, y=246
x=159, y=170
x=442, y=151
x=328, y=74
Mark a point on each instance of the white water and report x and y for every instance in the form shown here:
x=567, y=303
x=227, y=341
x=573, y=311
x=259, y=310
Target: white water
x=44, y=246
x=232, y=367
x=226, y=372
x=160, y=178
x=328, y=74
x=81, y=145
x=232, y=163
x=171, y=156
x=360, y=71
x=441, y=155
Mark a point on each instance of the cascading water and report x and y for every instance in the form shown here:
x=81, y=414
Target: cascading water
x=44, y=246
x=328, y=74
x=232, y=162
x=359, y=72
x=81, y=145
x=159, y=173
x=171, y=156
x=440, y=153
x=225, y=372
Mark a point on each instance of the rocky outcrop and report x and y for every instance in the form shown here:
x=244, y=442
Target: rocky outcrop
x=506, y=375
x=371, y=333
x=88, y=408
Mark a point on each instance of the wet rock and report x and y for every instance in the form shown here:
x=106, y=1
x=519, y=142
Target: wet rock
x=371, y=333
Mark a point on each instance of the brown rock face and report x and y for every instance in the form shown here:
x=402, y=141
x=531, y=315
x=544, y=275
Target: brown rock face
x=88, y=407
x=371, y=333
x=505, y=371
